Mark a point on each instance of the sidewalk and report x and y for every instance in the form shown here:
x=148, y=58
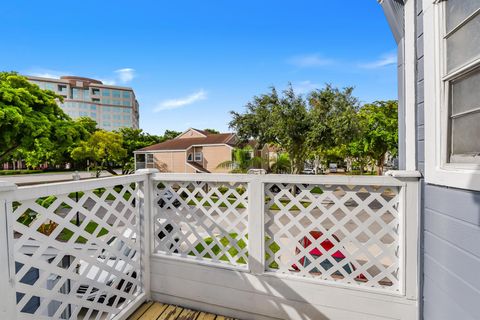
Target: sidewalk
x=40, y=178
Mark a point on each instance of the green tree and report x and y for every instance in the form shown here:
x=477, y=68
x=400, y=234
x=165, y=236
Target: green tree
x=103, y=149
x=378, y=123
x=212, y=131
x=334, y=121
x=134, y=139
x=281, y=164
x=27, y=113
x=242, y=161
x=278, y=119
x=55, y=147
x=169, y=134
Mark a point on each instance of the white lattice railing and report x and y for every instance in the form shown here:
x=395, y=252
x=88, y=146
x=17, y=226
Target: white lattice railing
x=331, y=229
x=89, y=249
x=75, y=248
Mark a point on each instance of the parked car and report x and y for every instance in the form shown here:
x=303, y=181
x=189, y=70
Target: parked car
x=318, y=254
x=308, y=171
x=105, y=276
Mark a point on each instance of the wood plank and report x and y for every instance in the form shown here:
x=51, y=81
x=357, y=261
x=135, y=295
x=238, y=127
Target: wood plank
x=154, y=311
x=206, y=316
x=188, y=314
x=170, y=313
x=140, y=311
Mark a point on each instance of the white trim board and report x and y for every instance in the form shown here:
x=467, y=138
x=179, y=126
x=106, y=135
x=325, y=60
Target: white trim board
x=437, y=171
x=270, y=297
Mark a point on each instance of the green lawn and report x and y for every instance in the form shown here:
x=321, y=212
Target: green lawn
x=225, y=242
x=67, y=234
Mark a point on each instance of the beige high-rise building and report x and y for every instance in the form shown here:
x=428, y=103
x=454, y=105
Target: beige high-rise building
x=112, y=107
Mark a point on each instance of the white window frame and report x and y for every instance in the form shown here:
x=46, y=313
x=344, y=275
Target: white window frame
x=195, y=156
x=437, y=169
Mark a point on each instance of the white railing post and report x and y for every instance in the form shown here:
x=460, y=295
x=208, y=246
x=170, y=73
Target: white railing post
x=8, y=303
x=256, y=237
x=145, y=207
x=411, y=230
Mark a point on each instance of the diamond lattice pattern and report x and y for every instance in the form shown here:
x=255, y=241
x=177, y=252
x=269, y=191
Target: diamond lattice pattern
x=77, y=255
x=339, y=233
x=205, y=221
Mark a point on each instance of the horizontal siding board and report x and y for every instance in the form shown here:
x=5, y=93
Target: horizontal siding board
x=457, y=261
x=420, y=93
x=421, y=151
x=420, y=133
x=420, y=114
x=435, y=298
x=459, y=204
x=420, y=48
x=465, y=235
x=458, y=292
x=420, y=68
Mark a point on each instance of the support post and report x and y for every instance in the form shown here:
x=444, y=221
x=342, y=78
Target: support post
x=256, y=238
x=144, y=199
x=8, y=302
x=411, y=230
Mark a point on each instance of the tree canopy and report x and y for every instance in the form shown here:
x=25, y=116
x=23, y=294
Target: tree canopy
x=327, y=123
x=28, y=114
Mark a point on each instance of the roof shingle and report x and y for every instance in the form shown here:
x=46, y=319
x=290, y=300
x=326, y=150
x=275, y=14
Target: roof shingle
x=185, y=143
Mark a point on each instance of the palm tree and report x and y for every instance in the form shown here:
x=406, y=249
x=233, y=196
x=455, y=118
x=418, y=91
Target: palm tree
x=281, y=164
x=242, y=161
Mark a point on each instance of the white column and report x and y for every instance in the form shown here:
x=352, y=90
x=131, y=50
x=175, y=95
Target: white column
x=8, y=302
x=256, y=238
x=145, y=197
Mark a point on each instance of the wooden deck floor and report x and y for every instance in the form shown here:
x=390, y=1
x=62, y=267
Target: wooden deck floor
x=160, y=311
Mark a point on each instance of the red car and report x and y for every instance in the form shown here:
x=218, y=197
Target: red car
x=317, y=254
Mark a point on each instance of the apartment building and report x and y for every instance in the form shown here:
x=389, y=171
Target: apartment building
x=112, y=107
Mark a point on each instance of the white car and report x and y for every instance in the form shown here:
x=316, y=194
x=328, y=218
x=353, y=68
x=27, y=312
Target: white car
x=105, y=277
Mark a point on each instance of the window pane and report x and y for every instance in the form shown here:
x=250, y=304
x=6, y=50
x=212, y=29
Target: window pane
x=459, y=10
x=466, y=93
x=464, y=45
x=465, y=133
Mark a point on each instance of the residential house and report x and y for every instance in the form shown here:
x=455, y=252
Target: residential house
x=193, y=151
x=439, y=131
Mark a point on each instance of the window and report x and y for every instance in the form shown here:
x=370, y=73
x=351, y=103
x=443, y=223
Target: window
x=95, y=91
x=190, y=157
x=115, y=93
x=452, y=95
x=198, y=156
x=62, y=87
x=95, y=100
x=106, y=92
x=126, y=95
x=106, y=101
x=86, y=94
x=149, y=158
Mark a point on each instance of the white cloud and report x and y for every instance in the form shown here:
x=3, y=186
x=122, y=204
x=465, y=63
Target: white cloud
x=125, y=75
x=309, y=60
x=46, y=73
x=383, y=61
x=306, y=86
x=181, y=102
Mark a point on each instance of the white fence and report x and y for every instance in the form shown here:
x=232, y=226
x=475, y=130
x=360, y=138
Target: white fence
x=249, y=246
x=73, y=249
x=356, y=236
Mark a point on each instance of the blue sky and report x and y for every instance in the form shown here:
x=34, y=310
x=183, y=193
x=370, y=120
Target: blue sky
x=191, y=62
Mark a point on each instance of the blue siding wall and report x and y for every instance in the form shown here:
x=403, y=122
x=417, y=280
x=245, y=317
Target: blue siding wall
x=451, y=237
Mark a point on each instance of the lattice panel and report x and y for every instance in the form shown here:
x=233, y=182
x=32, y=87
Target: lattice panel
x=203, y=221
x=77, y=255
x=340, y=233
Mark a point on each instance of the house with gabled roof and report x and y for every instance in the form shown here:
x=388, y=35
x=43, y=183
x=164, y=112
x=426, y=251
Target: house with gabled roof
x=193, y=151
